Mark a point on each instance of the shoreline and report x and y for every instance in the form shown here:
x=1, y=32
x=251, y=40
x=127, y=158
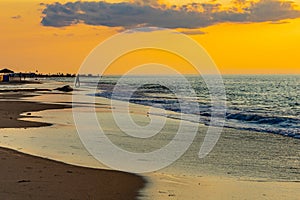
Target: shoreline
x=25, y=176
x=165, y=186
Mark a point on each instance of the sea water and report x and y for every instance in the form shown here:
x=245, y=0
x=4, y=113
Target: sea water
x=266, y=103
x=262, y=122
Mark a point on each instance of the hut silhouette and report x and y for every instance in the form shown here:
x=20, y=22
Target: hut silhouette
x=4, y=75
x=6, y=71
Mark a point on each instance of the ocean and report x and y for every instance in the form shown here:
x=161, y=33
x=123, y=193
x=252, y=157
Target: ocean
x=261, y=133
x=262, y=103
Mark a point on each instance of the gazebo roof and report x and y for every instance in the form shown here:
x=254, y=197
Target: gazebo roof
x=6, y=71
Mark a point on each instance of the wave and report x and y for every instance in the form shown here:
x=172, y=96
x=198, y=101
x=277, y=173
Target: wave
x=285, y=126
x=276, y=110
x=259, y=119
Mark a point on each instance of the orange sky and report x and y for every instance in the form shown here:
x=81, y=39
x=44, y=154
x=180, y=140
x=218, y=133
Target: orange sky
x=252, y=48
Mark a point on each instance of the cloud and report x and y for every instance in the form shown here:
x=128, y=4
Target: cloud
x=146, y=2
x=279, y=22
x=144, y=29
x=267, y=10
x=16, y=17
x=139, y=13
x=193, y=32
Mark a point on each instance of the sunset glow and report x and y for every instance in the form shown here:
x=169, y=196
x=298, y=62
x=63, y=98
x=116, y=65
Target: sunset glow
x=257, y=47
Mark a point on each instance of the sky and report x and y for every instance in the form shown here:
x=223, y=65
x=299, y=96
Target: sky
x=242, y=37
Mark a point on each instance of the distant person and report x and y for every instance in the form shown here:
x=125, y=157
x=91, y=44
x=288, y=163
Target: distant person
x=77, y=81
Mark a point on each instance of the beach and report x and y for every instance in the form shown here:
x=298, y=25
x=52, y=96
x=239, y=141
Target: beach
x=30, y=177
x=10, y=111
x=150, y=100
x=243, y=165
x=210, y=187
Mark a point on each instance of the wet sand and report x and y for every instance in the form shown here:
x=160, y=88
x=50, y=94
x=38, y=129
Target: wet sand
x=207, y=187
x=29, y=177
x=10, y=113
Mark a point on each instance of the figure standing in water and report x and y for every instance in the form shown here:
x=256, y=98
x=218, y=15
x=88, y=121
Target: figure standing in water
x=77, y=81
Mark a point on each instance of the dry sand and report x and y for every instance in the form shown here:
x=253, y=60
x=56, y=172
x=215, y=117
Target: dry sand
x=28, y=177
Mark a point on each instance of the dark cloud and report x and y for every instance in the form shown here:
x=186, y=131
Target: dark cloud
x=138, y=13
x=144, y=29
x=268, y=10
x=146, y=2
x=120, y=14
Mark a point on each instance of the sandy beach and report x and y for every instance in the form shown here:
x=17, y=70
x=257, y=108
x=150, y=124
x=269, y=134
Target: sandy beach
x=208, y=187
x=29, y=177
x=150, y=100
x=10, y=111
